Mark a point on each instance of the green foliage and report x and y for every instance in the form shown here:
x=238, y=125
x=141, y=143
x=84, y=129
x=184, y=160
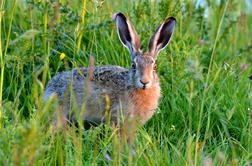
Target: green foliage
x=205, y=114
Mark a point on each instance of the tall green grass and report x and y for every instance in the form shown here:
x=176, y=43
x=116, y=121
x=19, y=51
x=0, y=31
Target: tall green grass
x=204, y=116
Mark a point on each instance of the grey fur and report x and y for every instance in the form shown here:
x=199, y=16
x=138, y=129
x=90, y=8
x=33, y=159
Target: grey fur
x=112, y=81
x=112, y=93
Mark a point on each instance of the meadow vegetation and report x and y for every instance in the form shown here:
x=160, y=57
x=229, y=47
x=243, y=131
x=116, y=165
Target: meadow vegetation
x=204, y=116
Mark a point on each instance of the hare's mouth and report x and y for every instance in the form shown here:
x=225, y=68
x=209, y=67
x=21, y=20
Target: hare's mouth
x=143, y=87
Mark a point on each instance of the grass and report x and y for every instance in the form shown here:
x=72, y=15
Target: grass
x=204, y=116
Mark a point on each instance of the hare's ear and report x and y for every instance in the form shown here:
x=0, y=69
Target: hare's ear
x=162, y=36
x=127, y=34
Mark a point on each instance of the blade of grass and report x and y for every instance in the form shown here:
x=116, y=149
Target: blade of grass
x=1, y=63
x=5, y=51
x=80, y=26
x=207, y=80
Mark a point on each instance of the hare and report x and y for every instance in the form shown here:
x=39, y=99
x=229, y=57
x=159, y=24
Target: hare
x=115, y=92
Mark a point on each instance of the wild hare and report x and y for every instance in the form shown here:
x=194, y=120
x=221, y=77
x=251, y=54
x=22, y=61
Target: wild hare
x=115, y=93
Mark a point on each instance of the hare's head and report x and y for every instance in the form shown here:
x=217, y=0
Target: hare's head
x=144, y=64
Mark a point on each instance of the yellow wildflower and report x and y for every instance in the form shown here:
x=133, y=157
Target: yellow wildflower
x=62, y=55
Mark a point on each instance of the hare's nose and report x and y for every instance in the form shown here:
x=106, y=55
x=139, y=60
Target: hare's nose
x=144, y=83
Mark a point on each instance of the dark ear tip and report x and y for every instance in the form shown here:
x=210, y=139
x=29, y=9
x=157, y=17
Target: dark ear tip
x=115, y=15
x=120, y=14
x=173, y=19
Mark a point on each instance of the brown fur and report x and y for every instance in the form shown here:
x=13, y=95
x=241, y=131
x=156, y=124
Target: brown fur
x=112, y=93
x=146, y=101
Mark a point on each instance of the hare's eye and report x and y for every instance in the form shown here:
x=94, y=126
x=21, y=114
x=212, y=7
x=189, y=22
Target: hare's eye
x=155, y=67
x=133, y=66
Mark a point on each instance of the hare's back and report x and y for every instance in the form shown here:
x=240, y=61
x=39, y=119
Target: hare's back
x=104, y=77
x=57, y=85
